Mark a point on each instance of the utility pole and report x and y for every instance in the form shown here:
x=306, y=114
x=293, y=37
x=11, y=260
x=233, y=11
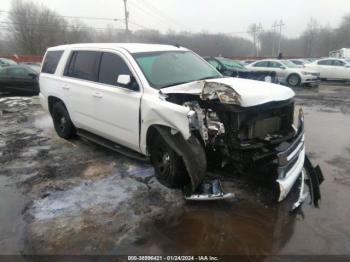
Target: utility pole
x=273, y=38
x=126, y=21
x=280, y=36
x=255, y=31
x=259, y=30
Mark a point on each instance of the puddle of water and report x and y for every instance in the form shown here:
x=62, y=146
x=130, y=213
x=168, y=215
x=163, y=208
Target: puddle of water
x=11, y=222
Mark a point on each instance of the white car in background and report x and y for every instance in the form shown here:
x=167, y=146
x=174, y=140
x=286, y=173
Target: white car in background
x=287, y=72
x=332, y=68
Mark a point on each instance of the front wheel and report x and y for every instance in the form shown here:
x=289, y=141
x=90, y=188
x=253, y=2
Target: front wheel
x=294, y=80
x=168, y=165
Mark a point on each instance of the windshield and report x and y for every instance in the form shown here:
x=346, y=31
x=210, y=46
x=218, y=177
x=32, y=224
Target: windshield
x=289, y=64
x=230, y=63
x=163, y=69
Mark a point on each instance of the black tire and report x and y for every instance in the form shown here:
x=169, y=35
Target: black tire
x=294, y=80
x=168, y=165
x=62, y=122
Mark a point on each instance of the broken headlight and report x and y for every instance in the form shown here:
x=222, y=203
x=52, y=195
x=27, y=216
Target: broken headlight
x=223, y=93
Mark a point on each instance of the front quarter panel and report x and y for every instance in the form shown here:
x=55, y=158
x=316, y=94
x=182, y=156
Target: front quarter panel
x=155, y=111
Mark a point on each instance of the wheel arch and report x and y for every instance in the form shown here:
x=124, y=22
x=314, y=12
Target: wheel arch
x=297, y=74
x=52, y=100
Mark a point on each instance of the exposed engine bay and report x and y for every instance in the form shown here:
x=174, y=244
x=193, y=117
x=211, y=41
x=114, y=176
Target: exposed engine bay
x=249, y=136
x=239, y=134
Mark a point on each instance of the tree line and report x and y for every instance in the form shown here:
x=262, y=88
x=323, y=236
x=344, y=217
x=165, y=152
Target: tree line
x=30, y=28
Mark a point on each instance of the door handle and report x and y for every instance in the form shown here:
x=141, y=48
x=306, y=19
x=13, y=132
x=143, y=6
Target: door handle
x=66, y=87
x=97, y=94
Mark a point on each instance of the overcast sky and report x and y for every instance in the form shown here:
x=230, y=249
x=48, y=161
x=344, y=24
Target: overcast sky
x=228, y=16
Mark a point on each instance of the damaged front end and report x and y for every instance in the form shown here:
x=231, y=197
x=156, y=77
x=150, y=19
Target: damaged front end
x=238, y=129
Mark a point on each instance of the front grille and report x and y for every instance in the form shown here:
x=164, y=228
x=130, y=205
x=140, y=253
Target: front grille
x=261, y=128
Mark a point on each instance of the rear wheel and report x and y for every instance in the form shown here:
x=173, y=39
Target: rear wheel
x=62, y=123
x=168, y=165
x=294, y=80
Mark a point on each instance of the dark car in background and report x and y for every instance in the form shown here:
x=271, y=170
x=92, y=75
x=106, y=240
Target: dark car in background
x=7, y=62
x=33, y=65
x=233, y=68
x=19, y=80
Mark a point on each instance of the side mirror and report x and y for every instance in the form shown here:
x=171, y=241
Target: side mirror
x=283, y=67
x=124, y=79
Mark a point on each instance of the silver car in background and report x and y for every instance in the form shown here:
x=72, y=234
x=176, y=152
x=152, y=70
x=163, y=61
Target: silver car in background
x=287, y=72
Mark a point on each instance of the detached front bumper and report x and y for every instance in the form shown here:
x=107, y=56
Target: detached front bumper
x=291, y=159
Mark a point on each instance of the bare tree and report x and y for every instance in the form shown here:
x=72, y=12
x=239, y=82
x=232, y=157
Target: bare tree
x=35, y=27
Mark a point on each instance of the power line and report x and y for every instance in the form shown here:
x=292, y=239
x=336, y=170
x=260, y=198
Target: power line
x=74, y=17
x=161, y=13
x=55, y=26
x=151, y=14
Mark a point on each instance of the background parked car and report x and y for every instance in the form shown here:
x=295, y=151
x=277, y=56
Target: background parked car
x=247, y=62
x=233, y=68
x=18, y=80
x=35, y=66
x=7, y=62
x=332, y=68
x=287, y=72
x=298, y=62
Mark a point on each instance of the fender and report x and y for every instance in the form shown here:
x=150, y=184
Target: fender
x=191, y=151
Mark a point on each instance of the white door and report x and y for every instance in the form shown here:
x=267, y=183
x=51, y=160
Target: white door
x=79, y=78
x=117, y=107
x=326, y=69
x=341, y=70
x=278, y=68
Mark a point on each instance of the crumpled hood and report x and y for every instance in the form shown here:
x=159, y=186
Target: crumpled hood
x=250, y=92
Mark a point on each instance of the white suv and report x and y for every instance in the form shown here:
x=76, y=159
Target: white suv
x=167, y=104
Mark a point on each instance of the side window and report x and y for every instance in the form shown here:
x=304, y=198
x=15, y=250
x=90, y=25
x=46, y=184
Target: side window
x=325, y=62
x=261, y=64
x=338, y=63
x=51, y=61
x=111, y=67
x=83, y=65
x=274, y=64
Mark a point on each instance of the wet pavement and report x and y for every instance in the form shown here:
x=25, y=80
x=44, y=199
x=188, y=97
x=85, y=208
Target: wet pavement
x=60, y=197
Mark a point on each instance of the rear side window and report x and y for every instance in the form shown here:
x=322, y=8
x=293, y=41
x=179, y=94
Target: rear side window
x=111, y=67
x=261, y=64
x=338, y=63
x=51, y=61
x=325, y=62
x=83, y=65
